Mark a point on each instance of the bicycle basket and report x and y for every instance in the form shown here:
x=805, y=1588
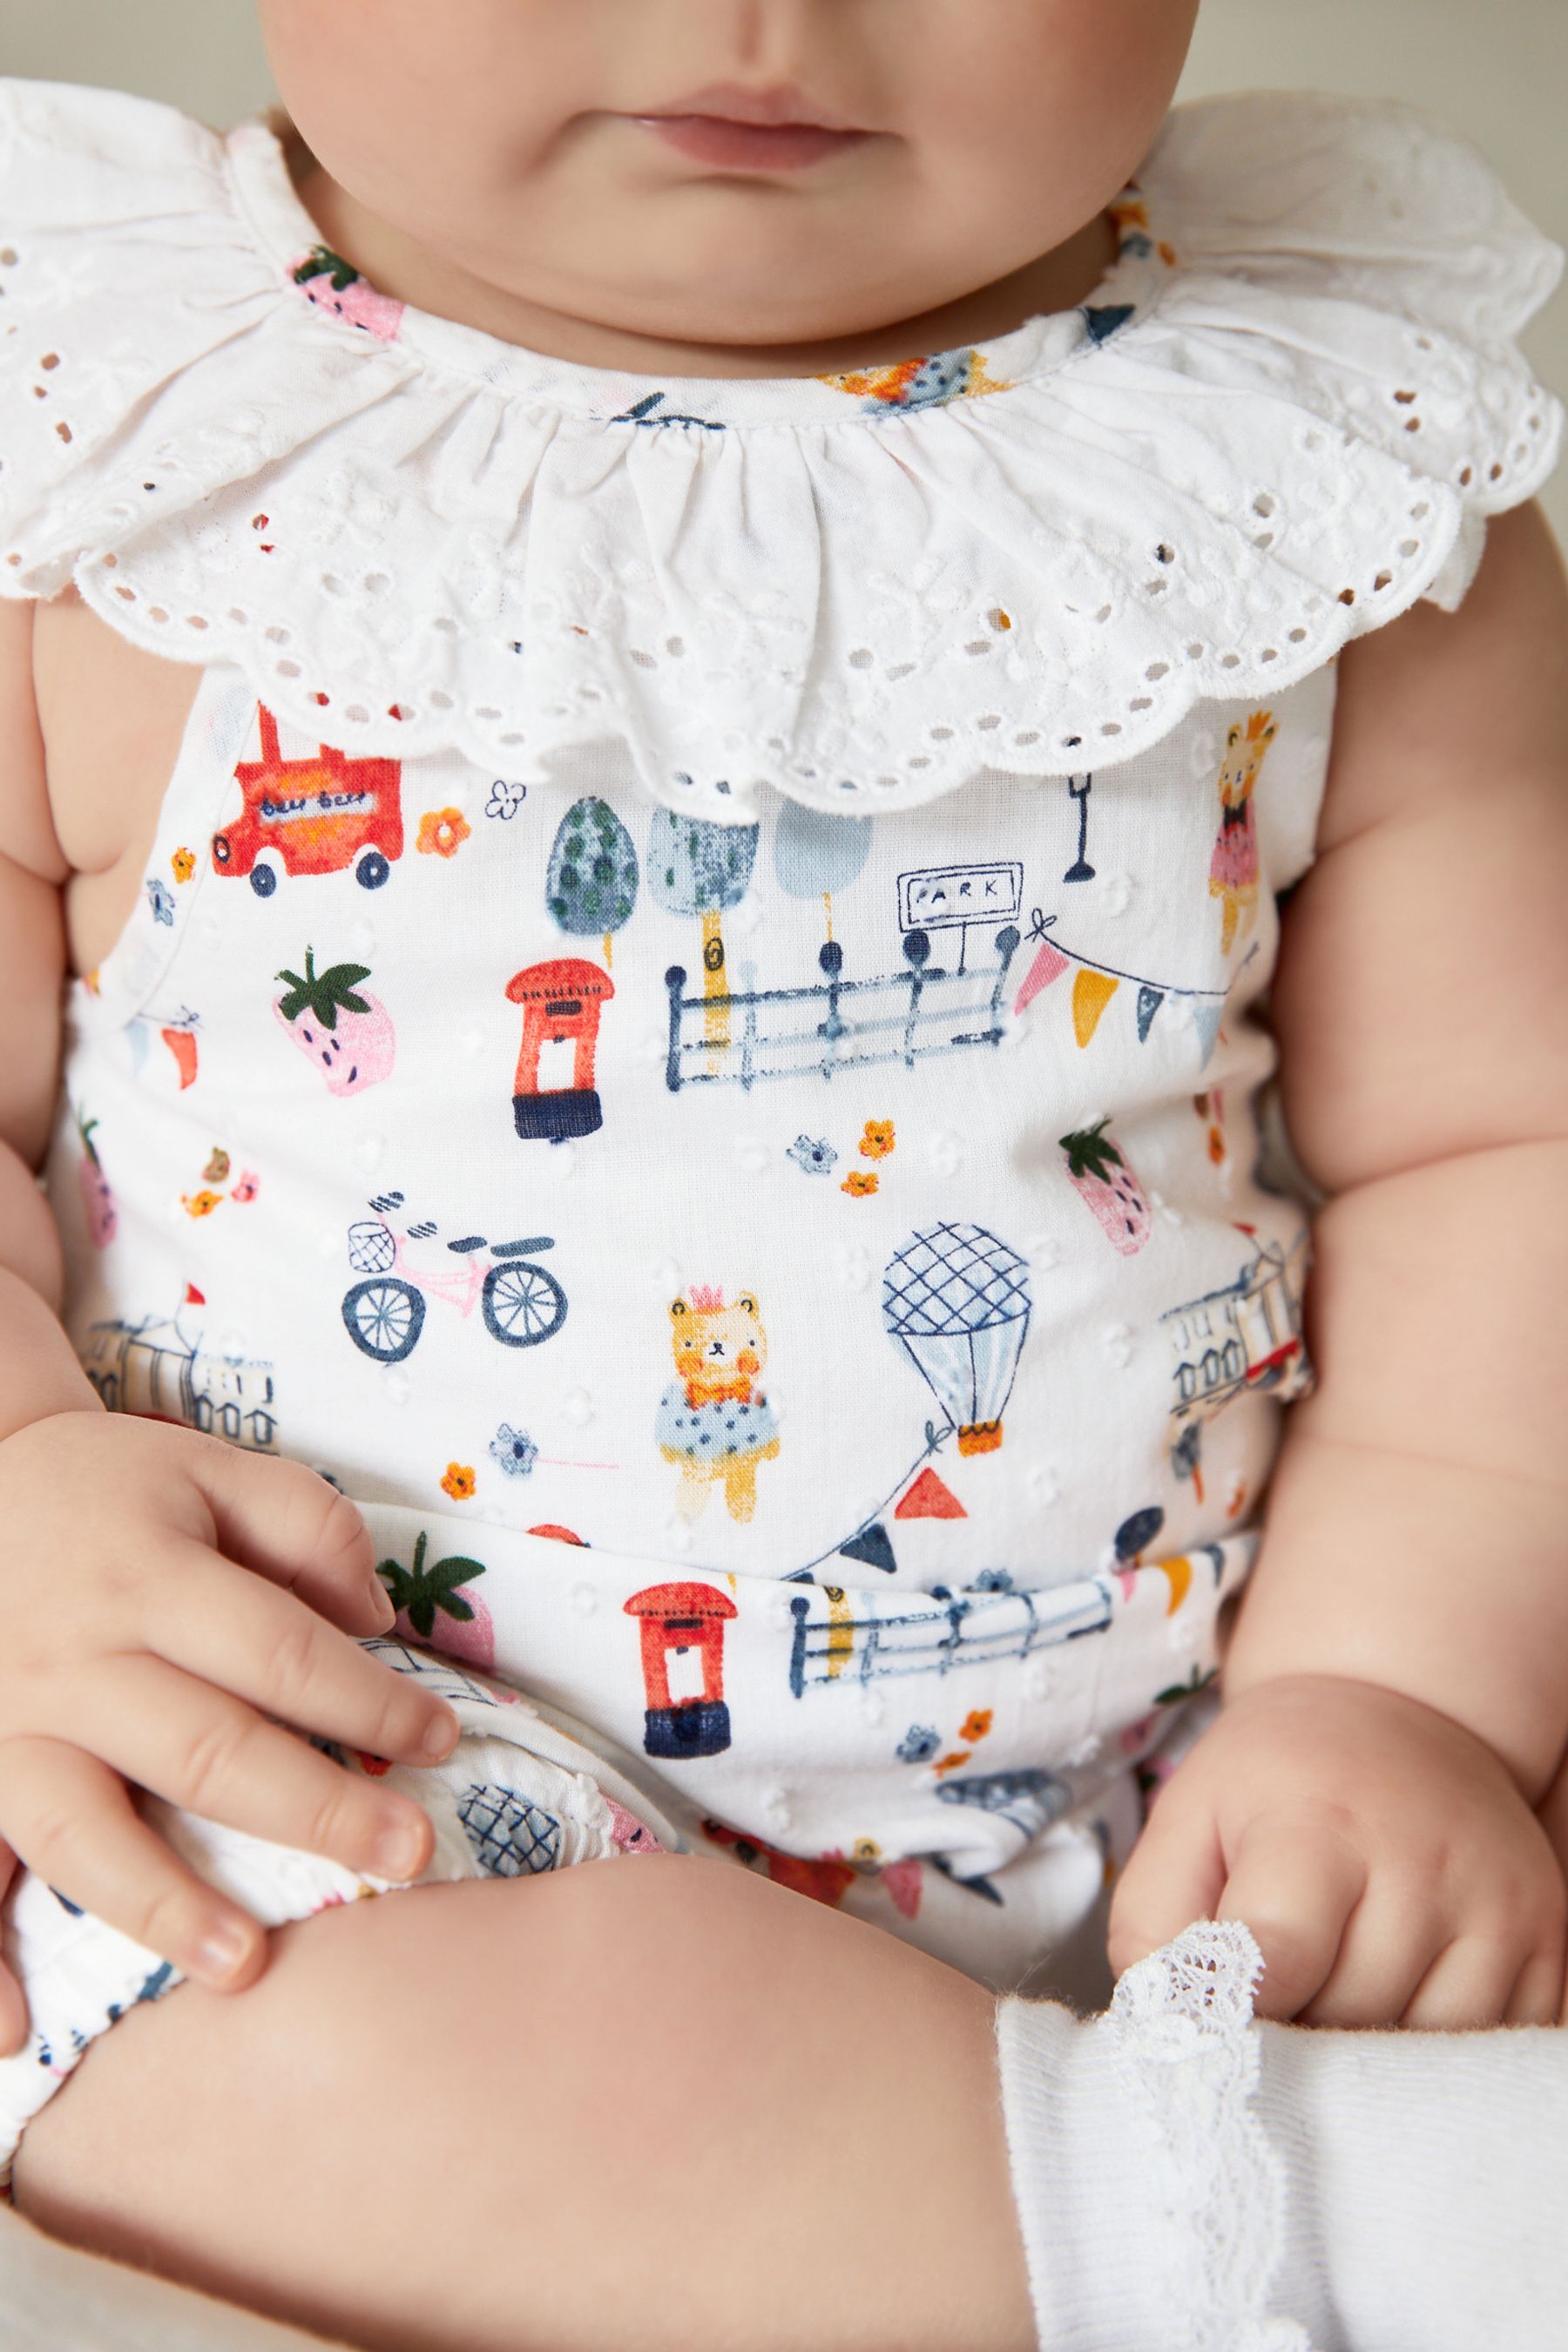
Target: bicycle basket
x=372, y=1249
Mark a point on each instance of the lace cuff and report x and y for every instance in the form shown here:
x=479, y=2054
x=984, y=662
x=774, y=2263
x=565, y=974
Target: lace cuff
x=1152, y=2205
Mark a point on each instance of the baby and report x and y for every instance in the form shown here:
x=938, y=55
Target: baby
x=664, y=669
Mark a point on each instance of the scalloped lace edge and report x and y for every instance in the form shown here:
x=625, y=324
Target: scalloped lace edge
x=1180, y=2032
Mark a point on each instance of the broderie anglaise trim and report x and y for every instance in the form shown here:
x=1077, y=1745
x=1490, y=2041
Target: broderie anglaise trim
x=861, y=601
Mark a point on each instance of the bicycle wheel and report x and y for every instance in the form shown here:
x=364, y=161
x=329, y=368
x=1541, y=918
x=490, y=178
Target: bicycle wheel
x=384, y=1319
x=523, y=1306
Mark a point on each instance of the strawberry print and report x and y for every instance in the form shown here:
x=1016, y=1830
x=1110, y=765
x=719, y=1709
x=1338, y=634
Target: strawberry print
x=438, y=1605
x=103, y=1216
x=1103, y=1176
x=349, y=1033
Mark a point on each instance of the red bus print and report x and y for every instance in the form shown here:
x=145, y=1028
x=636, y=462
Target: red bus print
x=321, y=815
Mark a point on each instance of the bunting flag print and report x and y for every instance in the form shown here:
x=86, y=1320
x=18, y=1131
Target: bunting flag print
x=1208, y=1013
x=1096, y=985
x=1049, y=965
x=1091, y=992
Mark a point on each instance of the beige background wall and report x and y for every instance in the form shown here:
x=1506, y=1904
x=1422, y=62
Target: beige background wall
x=1497, y=68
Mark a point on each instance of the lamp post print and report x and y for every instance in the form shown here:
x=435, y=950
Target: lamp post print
x=1080, y=870
x=592, y=886
x=696, y=867
x=815, y=853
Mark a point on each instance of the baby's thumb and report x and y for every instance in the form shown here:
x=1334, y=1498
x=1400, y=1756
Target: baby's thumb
x=279, y=1520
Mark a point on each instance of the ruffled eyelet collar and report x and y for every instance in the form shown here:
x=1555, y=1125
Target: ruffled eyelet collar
x=414, y=539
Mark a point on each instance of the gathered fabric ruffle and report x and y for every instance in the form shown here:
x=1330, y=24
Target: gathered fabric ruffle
x=1283, y=418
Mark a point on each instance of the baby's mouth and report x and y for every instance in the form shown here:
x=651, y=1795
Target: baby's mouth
x=730, y=146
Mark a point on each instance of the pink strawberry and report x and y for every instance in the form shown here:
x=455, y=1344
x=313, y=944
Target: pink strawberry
x=350, y=1035
x=103, y=1216
x=438, y=1605
x=1104, y=1178
x=334, y=283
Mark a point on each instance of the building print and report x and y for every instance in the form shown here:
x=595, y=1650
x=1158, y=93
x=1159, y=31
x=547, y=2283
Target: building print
x=152, y=1369
x=1247, y=1336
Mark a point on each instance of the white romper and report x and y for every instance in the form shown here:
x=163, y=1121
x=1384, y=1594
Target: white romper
x=692, y=1037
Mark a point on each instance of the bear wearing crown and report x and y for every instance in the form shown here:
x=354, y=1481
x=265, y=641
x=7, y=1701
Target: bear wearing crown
x=714, y=1423
x=1234, y=868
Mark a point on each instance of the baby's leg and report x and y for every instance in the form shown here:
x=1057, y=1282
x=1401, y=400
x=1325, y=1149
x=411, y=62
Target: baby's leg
x=646, y=2106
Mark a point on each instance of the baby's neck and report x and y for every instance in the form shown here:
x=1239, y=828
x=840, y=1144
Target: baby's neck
x=399, y=266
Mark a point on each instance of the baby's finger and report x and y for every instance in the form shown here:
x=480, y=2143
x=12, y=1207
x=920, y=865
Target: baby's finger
x=280, y=1521
x=1537, y=1997
x=1296, y=1892
x=1392, y=1938
x=244, y=1636
x=12, y=2007
x=72, y=1819
x=210, y=1754
x=1468, y=1986
x=1173, y=1878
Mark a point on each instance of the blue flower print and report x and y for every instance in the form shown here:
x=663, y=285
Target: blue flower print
x=814, y=1158
x=514, y=1450
x=505, y=800
x=992, y=1579
x=919, y=1744
x=161, y=899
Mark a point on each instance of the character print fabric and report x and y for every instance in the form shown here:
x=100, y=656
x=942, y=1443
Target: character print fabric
x=796, y=1295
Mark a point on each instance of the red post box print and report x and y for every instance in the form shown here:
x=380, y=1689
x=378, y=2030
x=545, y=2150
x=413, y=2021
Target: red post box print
x=676, y=1619
x=556, y=1097
x=317, y=816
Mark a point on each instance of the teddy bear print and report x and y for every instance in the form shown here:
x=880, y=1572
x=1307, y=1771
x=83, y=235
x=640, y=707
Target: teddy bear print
x=1234, y=869
x=714, y=1423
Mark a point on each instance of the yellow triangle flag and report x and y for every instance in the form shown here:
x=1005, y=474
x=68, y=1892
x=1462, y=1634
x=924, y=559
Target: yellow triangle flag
x=1091, y=992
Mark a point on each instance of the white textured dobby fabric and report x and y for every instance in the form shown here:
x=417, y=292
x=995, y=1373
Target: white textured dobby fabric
x=778, y=1257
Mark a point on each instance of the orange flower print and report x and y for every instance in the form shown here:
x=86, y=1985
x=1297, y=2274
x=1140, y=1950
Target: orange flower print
x=459, y=1482
x=858, y=1186
x=977, y=1725
x=184, y=862
x=442, y=833
x=879, y=1138
x=200, y=1205
x=952, y=1763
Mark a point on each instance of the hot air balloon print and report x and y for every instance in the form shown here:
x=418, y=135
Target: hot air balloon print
x=815, y=853
x=591, y=885
x=696, y=867
x=957, y=1300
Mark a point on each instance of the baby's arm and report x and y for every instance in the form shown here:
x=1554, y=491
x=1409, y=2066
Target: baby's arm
x=1397, y=1686
x=134, y=1643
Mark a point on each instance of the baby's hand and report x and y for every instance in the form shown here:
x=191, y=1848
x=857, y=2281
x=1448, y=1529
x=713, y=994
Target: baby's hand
x=1387, y=1864
x=160, y=1593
